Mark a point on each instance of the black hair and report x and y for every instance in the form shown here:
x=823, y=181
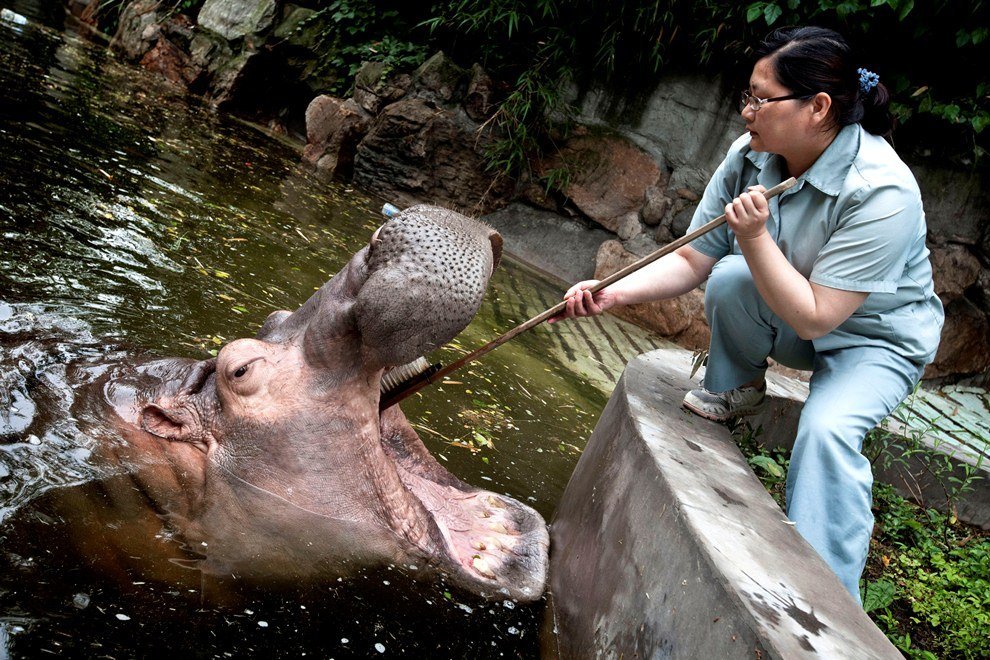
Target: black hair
x=808, y=60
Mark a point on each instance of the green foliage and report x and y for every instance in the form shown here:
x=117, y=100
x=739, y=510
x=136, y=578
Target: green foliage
x=944, y=108
x=769, y=465
x=350, y=32
x=928, y=581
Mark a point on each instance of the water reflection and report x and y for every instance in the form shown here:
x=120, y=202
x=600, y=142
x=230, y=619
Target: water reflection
x=132, y=219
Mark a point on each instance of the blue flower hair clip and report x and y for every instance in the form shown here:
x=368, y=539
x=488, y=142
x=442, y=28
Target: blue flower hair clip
x=867, y=80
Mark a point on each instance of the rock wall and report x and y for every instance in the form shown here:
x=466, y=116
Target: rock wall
x=636, y=170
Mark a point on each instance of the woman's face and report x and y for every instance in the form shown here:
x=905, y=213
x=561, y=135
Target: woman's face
x=778, y=125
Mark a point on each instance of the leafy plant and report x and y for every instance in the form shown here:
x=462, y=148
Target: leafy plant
x=769, y=465
x=350, y=32
x=927, y=584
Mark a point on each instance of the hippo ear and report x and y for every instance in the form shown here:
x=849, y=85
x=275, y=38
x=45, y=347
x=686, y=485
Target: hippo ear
x=496, y=239
x=169, y=424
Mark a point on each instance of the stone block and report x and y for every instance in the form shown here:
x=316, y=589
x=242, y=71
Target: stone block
x=416, y=151
x=334, y=127
x=440, y=79
x=964, y=347
x=666, y=545
x=137, y=29
x=235, y=19
x=655, y=206
x=374, y=89
x=629, y=226
x=479, y=103
x=955, y=269
x=609, y=175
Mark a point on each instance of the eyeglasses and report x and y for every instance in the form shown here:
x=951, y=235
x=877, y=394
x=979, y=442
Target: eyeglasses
x=755, y=102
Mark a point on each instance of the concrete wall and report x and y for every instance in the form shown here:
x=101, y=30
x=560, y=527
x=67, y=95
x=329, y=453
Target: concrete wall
x=666, y=545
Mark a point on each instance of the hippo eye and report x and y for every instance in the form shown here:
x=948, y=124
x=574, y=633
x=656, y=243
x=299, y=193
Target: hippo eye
x=241, y=371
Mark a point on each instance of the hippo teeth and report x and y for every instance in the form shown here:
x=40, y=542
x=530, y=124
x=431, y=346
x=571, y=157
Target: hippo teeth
x=480, y=564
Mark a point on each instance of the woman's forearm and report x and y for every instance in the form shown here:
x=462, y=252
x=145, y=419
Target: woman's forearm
x=668, y=277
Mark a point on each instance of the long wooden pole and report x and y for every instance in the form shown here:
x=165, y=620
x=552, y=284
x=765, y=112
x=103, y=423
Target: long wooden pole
x=416, y=384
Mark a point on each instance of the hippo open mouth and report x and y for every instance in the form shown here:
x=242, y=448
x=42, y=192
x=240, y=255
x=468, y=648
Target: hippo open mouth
x=275, y=457
x=495, y=541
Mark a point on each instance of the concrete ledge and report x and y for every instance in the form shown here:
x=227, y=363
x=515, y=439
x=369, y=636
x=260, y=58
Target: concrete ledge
x=908, y=474
x=666, y=545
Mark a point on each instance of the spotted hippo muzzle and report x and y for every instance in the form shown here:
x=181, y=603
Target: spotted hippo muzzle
x=297, y=472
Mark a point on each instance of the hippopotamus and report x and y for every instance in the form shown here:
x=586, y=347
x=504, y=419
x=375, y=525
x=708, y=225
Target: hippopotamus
x=272, y=460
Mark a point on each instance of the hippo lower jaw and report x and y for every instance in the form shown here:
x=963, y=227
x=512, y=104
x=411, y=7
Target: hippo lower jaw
x=486, y=542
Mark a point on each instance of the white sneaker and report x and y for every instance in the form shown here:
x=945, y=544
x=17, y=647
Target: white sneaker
x=723, y=406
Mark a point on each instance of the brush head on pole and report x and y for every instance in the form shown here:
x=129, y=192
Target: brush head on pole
x=399, y=375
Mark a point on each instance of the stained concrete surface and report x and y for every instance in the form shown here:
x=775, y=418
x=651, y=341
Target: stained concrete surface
x=665, y=545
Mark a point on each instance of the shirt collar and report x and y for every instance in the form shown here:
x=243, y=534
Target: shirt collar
x=829, y=171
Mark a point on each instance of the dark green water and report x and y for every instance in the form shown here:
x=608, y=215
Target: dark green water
x=131, y=216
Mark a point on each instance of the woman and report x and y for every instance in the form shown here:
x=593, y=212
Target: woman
x=832, y=276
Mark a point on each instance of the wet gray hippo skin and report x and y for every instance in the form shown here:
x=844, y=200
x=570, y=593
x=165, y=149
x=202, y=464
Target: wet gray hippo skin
x=272, y=459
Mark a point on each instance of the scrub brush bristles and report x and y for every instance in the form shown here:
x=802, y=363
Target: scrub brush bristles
x=399, y=375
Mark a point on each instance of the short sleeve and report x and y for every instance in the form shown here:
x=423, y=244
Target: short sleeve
x=721, y=190
x=868, y=251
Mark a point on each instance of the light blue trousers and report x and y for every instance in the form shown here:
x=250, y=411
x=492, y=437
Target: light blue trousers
x=829, y=483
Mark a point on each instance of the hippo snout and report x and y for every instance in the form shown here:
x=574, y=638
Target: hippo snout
x=428, y=270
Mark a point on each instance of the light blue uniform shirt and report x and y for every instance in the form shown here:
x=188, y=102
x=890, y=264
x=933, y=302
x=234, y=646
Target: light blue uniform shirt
x=854, y=221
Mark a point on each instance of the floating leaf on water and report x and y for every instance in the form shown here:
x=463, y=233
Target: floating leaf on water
x=222, y=274
x=463, y=445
